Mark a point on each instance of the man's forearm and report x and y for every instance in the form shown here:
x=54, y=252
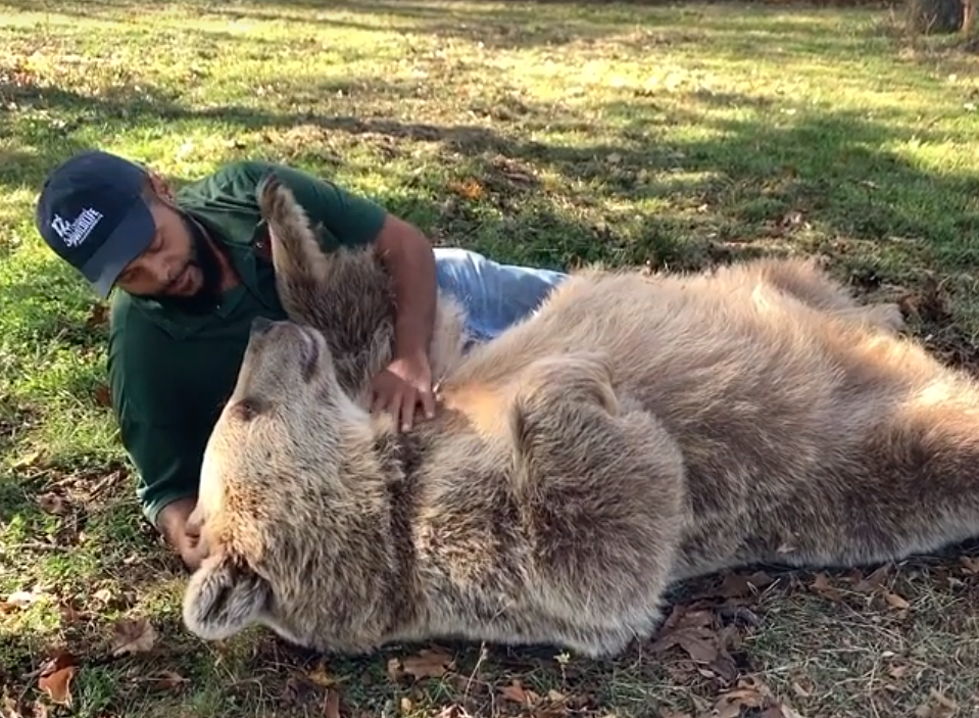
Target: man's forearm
x=407, y=254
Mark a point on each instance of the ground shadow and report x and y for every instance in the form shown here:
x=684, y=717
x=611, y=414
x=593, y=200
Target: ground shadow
x=741, y=29
x=829, y=165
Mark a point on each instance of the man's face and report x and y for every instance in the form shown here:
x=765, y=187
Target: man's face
x=179, y=266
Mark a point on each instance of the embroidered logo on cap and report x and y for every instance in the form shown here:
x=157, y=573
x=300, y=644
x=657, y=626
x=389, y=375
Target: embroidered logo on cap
x=74, y=233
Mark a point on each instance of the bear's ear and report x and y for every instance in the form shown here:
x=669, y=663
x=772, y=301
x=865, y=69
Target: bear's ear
x=224, y=596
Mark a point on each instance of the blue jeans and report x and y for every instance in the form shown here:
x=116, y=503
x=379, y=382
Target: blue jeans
x=495, y=295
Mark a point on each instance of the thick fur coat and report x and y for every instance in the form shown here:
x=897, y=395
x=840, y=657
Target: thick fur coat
x=635, y=432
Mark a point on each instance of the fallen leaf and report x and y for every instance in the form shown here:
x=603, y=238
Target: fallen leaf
x=943, y=707
x=70, y=614
x=470, y=189
x=53, y=503
x=19, y=599
x=692, y=632
x=132, y=636
x=518, y=694
x=27, y=460
x=895, y=601
x=331, y=704
x=98, y=316
x=521, y=177
x=168, y=680
x=56, y=676
x=970, y=564
x=103, y=594
x=898, y=672
x=801, y=690
x=8, y=707
x=780, y=710
x=821, y=585
x=747, y=694
x=321, y=677
x=426, y=664
x=874, y=581
x=737, y=584
x=103, y=395
x=555, y=697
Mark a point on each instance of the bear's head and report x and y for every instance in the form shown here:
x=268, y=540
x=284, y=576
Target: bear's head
x=286, y=488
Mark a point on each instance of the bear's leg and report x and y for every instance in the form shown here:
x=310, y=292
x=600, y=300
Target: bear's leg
x=600, y=487
x=807, y=282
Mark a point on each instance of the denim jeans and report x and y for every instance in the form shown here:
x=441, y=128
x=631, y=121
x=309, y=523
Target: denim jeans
x=495, y=295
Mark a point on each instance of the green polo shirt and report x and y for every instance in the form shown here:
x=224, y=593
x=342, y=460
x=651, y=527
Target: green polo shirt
x=169, y=372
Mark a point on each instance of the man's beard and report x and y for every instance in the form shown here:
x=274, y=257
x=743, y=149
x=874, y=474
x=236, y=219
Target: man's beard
x=204, y=258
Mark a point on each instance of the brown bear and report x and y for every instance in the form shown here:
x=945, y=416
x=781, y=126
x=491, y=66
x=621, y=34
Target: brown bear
x=635, y=432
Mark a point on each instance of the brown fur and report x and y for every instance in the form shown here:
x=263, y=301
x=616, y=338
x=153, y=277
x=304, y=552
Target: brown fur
x=635, y=432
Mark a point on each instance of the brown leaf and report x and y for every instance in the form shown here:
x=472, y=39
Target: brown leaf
x=18, y=600
x=321, y=677
x=70, y=614
x=898, y=672
x=970, y=565
x=780, y=710
x=103, y=395
x=518, y=694
x=821, y=585
x=98, y=317
x=748, y=694
x=800, y=690
x=9, y=708
x=168, y=680
x=132, y=636
x=895, y=601
x=331, y=704
x=942, y=707
x=470, y=189
x=53, y=503
x=426, y=664
x=555, y=697
x=56, y=676
x=104, y=595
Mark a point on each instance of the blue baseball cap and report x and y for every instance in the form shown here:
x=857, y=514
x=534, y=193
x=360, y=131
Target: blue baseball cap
x=91, y=212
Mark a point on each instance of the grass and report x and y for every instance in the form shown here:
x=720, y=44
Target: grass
x=548, y=134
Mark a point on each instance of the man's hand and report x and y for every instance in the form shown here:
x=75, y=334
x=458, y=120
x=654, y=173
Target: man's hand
x=408, y=256
x=180, y=534
x=401, y=386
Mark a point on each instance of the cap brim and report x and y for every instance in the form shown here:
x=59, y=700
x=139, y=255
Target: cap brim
x=128, y=240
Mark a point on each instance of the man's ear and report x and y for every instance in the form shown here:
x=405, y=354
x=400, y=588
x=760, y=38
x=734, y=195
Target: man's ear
x=224, y=596
x=160, y=186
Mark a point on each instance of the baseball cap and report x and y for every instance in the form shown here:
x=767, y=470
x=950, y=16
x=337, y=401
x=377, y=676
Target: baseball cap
x=91, y=213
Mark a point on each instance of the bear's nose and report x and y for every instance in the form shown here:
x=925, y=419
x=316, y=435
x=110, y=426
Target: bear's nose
x=261, y=324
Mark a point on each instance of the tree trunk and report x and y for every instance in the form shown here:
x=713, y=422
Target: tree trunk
x=970, y=16
x=937, y=16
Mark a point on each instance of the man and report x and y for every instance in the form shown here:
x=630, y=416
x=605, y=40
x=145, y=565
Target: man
x=192, y=269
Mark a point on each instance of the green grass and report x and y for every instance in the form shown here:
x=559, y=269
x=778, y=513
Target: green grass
x=546, y=134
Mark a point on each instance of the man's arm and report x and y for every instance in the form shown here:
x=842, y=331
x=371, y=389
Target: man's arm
x=409, y=258
x=160, y=411
x=349, y=219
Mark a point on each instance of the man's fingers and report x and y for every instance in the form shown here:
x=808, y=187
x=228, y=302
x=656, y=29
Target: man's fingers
x=408, y=401
x=394, y=406
x=428, y=402
x=377, y=402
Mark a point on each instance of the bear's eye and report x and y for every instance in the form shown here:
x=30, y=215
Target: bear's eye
x=248, y=408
